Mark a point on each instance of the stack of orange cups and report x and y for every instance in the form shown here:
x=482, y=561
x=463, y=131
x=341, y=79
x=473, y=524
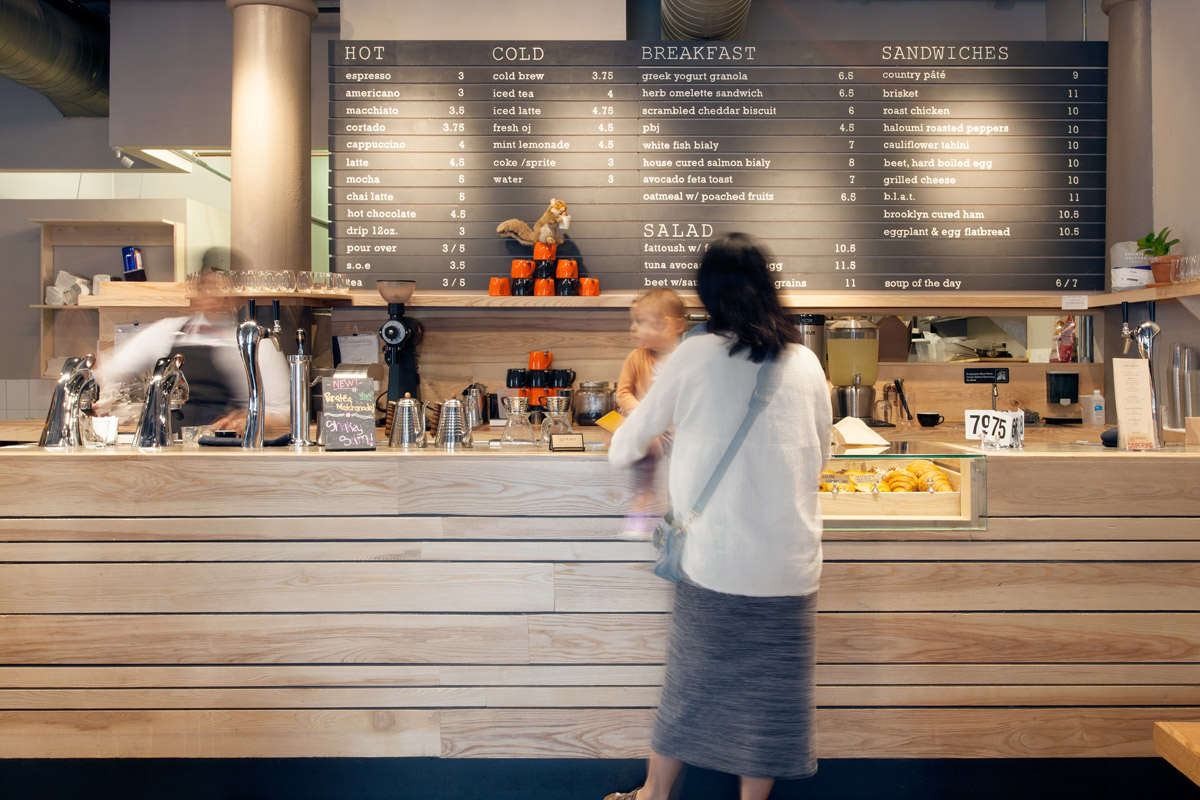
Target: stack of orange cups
x=539, y=362
x=522, y=277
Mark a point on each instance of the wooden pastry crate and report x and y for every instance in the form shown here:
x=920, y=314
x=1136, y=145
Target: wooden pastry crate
x=961, y=508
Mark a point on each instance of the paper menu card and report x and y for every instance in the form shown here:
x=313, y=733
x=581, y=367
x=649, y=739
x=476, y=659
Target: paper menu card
x=853, y=432
x=611, y=421
x=1135, y=415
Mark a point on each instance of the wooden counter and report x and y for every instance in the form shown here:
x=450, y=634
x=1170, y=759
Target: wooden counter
x=228, y=604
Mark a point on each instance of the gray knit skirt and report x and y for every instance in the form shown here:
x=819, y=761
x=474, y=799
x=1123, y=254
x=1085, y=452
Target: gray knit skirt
x=738, y=694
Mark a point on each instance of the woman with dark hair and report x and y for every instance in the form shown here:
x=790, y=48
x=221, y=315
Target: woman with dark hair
x=738, y=693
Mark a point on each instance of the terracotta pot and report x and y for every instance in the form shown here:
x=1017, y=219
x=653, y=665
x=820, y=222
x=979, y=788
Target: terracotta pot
x=1164, y=268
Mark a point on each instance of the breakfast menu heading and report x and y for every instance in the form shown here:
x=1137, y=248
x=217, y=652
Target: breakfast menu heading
x=861, y=165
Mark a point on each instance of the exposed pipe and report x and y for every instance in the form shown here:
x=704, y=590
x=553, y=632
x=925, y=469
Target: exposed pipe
x=704, y=19
x=48, y=51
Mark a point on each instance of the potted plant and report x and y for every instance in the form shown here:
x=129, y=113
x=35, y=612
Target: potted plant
x=1156, y=246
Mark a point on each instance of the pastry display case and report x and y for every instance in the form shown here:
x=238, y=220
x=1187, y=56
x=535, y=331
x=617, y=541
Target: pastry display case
x=915, y=485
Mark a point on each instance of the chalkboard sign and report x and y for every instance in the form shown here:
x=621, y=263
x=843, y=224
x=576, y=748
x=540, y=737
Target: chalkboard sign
x=348, y=421
x=864, y=166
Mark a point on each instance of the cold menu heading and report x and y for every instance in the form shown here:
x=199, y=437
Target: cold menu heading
x=862, y=165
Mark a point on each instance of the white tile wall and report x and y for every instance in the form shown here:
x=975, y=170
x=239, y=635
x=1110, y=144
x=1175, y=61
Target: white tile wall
x=25, y=399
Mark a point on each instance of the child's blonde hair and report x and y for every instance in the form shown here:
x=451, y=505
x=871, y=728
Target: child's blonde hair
x=665, y=301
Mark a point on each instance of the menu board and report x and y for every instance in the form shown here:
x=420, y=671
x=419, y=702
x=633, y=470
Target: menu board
x=862, y=166
x=348, y=418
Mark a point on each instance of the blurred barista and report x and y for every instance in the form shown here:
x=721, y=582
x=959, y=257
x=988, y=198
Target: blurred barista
x=212, y=365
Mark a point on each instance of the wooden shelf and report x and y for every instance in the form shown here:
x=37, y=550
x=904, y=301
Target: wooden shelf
x=1175, y=291
x=165, y=294
x=879, y=302
x=111, y=233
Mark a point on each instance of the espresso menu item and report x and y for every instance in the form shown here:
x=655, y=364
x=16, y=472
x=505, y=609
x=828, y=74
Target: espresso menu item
x=348, y=418
x=862, y=165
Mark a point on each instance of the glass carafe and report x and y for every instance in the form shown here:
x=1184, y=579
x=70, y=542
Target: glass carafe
x=593, y=400
x=518, y=430
x=556, y=419
x=853, y=348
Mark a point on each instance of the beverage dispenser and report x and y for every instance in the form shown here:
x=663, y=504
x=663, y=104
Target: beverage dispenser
x=852, y=346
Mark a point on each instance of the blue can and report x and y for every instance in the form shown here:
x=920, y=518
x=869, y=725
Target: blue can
x=132, y=257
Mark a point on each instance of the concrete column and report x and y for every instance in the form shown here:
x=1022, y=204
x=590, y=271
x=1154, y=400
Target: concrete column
x=271, y=148
x=1130, y=187
x=1130, y=118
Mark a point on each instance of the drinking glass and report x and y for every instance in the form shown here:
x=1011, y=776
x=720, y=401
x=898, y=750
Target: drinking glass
x=304, y=282
x=1191, y=269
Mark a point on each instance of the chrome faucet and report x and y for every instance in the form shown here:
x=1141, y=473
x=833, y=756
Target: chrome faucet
x=249, y=336
x=1144, y=335
x=74, y=393
x=167, y=385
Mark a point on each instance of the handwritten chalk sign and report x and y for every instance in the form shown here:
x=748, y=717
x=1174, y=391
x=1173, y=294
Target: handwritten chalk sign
x=348, y=420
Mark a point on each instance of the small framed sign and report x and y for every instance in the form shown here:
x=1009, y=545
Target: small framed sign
x=566, y=441
x=985, y=374
x=348, y=421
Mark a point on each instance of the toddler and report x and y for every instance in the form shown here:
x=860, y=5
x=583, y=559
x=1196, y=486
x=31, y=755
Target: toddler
x=656, y=321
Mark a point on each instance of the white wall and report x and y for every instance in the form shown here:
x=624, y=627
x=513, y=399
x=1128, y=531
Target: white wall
x=483, y=19
x=1175, y=67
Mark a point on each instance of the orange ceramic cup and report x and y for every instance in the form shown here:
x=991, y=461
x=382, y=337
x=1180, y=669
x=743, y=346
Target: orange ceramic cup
x=589, y=287
x=543, y=287
x=540, y=359
x=522, y=268
x=498, y=287
x=544, y=252
x=567, y=268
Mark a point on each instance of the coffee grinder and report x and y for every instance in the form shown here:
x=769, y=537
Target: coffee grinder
x=400, y=336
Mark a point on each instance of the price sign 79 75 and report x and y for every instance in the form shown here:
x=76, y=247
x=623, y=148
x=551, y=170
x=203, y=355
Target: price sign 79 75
x=996, y=428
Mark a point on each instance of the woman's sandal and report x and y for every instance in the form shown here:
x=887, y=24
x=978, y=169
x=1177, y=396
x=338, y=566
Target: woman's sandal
x=623, y=795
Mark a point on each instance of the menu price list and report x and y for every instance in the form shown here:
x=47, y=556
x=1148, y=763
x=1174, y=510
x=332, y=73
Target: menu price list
x=861, y=165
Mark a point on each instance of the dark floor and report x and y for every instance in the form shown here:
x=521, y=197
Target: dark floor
x=496, y=779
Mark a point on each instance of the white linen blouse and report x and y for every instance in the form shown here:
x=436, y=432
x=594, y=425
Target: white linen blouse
x=760, y=534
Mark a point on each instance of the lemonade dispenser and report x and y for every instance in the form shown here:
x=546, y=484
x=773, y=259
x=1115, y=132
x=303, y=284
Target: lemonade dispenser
x=852, y=346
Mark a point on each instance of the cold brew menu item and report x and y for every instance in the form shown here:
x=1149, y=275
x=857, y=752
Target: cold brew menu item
x=862, y=165
x=348, y=418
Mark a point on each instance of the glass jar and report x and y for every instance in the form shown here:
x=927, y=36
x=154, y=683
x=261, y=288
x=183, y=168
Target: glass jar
x=593, y=399
x=853, y=348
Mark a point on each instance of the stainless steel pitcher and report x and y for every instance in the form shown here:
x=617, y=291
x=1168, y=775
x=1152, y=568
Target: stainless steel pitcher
x=408, y=423
x=453, y=432
x=475, y=405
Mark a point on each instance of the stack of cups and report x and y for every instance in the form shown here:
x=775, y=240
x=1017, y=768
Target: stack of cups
x=543, y=269
x=567, y=277
x=538, y=380
x=522, y=278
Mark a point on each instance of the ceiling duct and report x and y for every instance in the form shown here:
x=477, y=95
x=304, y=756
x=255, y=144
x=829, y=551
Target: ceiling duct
x=704, y=19
x=52, y=53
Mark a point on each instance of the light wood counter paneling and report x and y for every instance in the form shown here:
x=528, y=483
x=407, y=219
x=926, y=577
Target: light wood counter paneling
x=229, y=604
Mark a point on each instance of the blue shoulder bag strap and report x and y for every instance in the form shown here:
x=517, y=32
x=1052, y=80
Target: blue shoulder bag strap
x=764, y=387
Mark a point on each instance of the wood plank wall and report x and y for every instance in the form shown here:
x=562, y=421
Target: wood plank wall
x=514, y=636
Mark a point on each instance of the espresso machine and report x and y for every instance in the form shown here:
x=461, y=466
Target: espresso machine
x=400, y=335
x=852, y=346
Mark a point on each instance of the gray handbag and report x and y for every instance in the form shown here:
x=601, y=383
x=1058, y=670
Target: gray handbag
x=669, y=537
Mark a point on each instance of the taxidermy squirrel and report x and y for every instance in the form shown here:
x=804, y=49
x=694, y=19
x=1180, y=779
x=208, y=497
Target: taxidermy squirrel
x=553, y=222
